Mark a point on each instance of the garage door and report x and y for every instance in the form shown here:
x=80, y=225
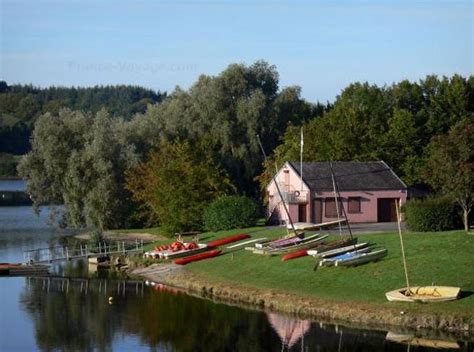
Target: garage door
x=386, y=211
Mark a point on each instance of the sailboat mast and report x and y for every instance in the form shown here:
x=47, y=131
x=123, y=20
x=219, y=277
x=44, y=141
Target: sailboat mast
x=301, y=159
x=335, y=196
x=405, y=267
x=278, y=187
x=338, y=196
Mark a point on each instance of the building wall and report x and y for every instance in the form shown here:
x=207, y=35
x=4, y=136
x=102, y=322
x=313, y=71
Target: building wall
x=368, y=204
x=291, y=182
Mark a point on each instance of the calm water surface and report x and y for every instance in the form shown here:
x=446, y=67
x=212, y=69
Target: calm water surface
x=39, y=315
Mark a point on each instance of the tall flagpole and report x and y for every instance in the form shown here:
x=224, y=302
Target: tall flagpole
x=301, y=158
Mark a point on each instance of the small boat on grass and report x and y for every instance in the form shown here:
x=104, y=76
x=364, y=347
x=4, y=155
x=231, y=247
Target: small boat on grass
x=197, y=257
x=424, y=294
x=229, y=239
x=19, y=269
x=348, y=255
x=282, y=242
x=184, y=252
x=241, y=245
x=336, y=247
x=320, y=248
x=354, y=258
x=309, y=242
x=419, y=293
x=171, y=251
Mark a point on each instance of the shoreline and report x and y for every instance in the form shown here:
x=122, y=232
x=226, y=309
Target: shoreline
x=348, y=313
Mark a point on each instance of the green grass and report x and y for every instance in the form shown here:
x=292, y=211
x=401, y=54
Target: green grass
x=444, y=258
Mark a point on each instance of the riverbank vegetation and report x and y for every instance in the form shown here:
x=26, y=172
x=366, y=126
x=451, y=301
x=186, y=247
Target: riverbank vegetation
x=80, y=159
x=443, y=258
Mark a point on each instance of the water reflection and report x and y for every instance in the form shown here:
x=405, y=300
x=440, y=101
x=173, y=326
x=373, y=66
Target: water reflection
x=78, y=317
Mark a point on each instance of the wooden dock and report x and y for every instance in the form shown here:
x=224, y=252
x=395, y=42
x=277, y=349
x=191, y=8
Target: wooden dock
x=86, y=285
x=65, y=253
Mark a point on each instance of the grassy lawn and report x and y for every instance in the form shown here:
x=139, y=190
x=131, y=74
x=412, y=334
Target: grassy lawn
x=444, y=258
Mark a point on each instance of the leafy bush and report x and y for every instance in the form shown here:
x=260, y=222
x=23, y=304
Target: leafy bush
x=96, y=236
x=432, y=214
x=230, y=212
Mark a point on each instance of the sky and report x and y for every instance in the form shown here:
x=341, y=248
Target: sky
x=321, y=46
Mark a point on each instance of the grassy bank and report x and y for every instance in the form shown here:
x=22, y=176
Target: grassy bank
x=442, y=258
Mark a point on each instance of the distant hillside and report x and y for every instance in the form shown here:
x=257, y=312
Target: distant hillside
x=20, y=105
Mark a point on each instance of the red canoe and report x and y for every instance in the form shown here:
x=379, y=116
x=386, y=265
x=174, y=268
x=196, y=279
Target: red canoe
x=295, y=254
x=197, y=257
x=229, y=239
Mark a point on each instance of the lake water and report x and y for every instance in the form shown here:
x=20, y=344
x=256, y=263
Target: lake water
x=76, y=315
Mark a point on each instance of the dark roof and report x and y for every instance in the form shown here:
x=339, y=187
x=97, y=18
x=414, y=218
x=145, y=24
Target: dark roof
x=350, y=176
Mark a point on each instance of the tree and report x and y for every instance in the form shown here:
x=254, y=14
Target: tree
x=228, y=111
x=176, y=184
x=79, y=160
x=451, y=165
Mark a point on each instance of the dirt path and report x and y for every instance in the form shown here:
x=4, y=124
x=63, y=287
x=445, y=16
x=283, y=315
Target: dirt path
x=125, y=237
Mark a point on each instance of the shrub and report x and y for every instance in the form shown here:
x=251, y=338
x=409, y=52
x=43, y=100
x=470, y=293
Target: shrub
x=431, y=214
x=230, y=212
x=96, y=236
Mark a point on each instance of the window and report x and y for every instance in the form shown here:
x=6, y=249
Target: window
x=330, y=208
x=354, y=205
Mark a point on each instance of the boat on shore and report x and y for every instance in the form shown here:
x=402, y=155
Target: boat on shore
x=424, y=294
x=227, y=240
x=348, y=255
x=419, y=293
x=308, y=242
x=336, y=247
x=241, y=245
x=282, y=242
x=197, y=257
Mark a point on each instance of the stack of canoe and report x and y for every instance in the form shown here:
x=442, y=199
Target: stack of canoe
x=288, y=245
x=320, y=248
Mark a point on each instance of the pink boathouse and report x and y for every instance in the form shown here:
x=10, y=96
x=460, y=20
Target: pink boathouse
x=368, y=192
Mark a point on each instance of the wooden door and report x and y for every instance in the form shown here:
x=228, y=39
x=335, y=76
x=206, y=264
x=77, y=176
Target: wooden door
x=302, y=213
x=318, y=211
x=386, y=211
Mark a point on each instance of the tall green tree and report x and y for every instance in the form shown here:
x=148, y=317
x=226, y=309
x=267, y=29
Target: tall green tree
x=79, y=160
x=176, y=184
x=451, y=165
x=228, y=111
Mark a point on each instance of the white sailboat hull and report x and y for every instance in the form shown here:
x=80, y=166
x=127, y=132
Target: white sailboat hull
x=424, y=294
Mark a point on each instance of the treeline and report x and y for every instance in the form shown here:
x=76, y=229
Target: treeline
x=21, y=105
x=392, y=123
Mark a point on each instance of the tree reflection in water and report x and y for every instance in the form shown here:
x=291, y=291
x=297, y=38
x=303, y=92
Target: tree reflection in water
x=67, y=317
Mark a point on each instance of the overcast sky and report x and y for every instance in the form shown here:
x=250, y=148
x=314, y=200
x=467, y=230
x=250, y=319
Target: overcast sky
x=321, y=46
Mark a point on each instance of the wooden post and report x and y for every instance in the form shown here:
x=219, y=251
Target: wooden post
x=67, y=253
x=123, y=247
